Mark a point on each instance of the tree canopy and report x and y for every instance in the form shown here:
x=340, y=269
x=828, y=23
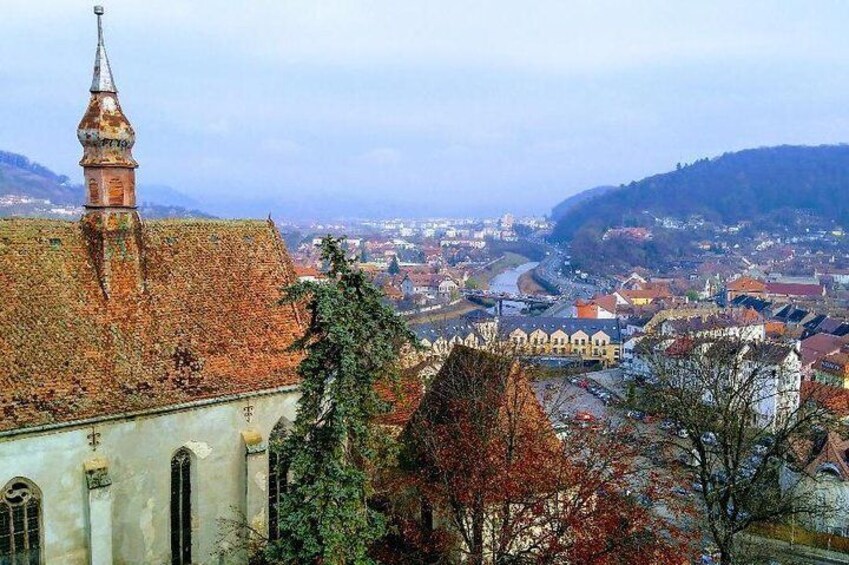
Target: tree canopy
x=351, y=342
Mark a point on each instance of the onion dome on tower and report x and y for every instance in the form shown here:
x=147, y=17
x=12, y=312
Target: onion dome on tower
x=107, y=139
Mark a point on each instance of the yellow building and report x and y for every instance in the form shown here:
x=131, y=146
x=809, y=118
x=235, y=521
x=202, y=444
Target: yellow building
x=541, y=336
x=589, y=339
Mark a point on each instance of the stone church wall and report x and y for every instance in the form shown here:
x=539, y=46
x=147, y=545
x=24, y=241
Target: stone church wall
x=105, y=486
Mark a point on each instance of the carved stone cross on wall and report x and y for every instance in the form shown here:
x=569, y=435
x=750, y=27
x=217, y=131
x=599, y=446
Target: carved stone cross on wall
x=248, y=411
x=93, y=439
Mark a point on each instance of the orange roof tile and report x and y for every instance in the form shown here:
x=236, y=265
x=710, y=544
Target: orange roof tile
x=651, y=293
x=193, y=314
x=833, y=398
x=794, y=289
x=746, y=284
x=307, y=271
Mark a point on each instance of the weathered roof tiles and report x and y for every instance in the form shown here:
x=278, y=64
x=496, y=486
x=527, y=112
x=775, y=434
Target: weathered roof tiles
x=202, y=322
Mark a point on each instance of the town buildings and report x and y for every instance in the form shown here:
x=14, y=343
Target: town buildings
x=772, y=290
x=820, y=474
x=145, y=365
x=583, y=339
x=771, y=370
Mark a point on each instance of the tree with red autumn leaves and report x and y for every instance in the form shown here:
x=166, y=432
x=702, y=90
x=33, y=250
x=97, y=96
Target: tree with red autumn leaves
x=487, y=480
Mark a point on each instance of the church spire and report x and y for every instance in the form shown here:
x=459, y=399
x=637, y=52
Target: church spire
x=102, y=80
x=111, y=225
x=107, y=139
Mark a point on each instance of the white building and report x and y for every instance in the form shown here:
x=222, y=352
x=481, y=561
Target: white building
x=773, y=371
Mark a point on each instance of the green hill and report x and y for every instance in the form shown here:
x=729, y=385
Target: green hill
x=567, y=205
x=747, y=185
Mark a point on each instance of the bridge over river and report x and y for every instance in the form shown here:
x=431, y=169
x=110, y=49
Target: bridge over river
x=504, y=291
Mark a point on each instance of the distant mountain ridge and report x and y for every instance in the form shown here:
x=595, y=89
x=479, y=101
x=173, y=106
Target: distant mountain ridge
x=746, y=185
x=30, y=189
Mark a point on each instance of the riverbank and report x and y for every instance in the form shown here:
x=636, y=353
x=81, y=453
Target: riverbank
x=447, y=313
x=528, y=284
x=509, y=260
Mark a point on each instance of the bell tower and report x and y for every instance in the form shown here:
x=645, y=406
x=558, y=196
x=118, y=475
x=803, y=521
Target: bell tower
x=111, y=225
x=107, y=139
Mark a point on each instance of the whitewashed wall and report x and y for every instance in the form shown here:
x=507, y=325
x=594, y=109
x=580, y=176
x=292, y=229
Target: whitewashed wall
x=139, y=452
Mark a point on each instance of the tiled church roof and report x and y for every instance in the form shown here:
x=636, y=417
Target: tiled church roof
x=201, y=321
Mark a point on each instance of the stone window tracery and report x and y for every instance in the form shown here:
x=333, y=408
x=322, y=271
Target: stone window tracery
x=20, y=524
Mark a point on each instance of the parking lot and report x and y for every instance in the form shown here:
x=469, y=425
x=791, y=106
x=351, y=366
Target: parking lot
x=586, y=400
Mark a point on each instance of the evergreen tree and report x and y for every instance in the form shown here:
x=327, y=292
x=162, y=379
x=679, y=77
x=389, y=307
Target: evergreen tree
x=394, y=267
x=351, y=343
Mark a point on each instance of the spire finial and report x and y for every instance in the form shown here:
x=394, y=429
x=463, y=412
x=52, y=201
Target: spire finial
x=102, y=80
x=99, y=11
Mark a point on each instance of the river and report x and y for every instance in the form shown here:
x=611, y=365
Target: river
x=508, y=281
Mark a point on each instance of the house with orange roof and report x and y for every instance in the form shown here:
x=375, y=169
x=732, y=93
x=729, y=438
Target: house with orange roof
x=642, y=297
x=744, y=285
x=833, y=369
x=778, y=290
x=428, y=284
x=819, y=346
x=308, y=273
x=597, y=308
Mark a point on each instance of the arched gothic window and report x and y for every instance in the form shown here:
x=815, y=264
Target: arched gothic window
x=278, y=477
x=20, y=524
x=181, y=508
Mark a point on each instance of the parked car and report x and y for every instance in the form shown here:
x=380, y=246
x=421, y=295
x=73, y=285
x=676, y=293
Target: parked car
x=585, y=419
x=636, y=415
x=719, y=477
x=763, y=445
x=709, y=439
x=644, y=500
x=682, y=433
x=667, y=425
x=753, y=461
x=746, y=472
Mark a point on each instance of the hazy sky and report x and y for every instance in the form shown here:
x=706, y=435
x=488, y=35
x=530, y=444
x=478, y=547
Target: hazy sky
x=305, y=108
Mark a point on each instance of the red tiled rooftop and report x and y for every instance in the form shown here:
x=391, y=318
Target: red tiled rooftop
x=835, y=399
x=818, y=346
x=745, y=284
x=794, y=289
x=198, y=318
x=307, y=271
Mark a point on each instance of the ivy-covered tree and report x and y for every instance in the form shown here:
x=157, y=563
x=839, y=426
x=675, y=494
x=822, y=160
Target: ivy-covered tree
x=351, y=342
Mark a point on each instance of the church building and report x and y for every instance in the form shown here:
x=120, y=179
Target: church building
x=146, y=367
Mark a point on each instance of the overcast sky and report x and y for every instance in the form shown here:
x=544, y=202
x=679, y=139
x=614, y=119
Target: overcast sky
x=358, y=108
